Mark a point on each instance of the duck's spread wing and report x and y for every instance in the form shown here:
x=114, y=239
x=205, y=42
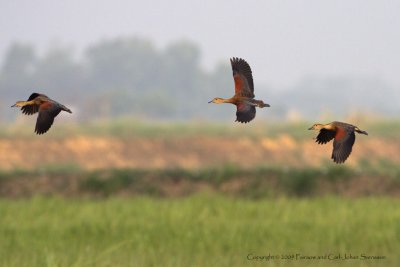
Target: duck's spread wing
x=31, y=109
x=325, y=136
x=342, y=145
x=245, y=112
x=243, y=78
x=47, y=112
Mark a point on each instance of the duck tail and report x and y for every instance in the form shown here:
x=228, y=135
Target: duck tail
x=360, y=131
x=261, y=104
x=65, y=108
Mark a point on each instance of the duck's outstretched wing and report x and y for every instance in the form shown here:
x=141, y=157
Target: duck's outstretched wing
x=47, y=112
x=31, y=109
x=245, y=112
x=325, y=136
x=342, y=145
x=243, y=78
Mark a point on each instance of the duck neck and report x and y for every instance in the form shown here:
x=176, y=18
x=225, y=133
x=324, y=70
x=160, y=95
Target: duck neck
x=227, y=100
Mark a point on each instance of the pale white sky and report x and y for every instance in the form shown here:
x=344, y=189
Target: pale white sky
x=283, y=40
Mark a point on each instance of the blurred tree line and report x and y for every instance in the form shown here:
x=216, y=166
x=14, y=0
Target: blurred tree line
x=131, y=77
x=119, y=77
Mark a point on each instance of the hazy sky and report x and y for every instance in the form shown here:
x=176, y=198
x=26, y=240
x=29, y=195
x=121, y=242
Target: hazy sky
x=283, y=40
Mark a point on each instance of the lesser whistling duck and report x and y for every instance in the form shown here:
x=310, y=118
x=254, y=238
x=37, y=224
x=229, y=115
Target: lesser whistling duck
x=48, y=109
x=244, y=92
x=343, y=135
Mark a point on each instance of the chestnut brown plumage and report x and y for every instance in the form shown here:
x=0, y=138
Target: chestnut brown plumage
x=48, y=109
x=244, y=92
x=343, y=135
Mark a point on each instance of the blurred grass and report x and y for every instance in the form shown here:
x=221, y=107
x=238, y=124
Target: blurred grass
x=127, y=127
x=200, y=230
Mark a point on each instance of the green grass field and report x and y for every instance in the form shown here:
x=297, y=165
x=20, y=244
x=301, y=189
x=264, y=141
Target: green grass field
x=200, y=230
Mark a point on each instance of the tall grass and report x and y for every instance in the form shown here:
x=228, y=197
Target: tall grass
x=201, y=230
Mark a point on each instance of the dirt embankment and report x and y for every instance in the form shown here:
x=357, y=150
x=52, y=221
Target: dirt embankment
x=187, y=152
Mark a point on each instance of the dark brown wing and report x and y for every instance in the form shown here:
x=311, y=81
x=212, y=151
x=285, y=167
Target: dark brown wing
x=31, y=109
x=325, y=136
x=243, y=78
x=245, y=112
x=342, y=145
x=47, y=112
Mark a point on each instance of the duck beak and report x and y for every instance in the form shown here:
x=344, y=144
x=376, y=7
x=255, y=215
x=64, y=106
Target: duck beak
x=210, y=101
x=311, y=128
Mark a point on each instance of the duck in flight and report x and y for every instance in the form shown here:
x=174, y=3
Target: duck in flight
x=48, y=109
x=343, y=135
x=244, y=92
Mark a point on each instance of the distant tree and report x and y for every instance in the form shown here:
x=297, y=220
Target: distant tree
x=218, y=83
x=17, y=70
x=181, y=77
x=131, y=77
x=57, y=73
x=181, y=66
x=127, y=64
